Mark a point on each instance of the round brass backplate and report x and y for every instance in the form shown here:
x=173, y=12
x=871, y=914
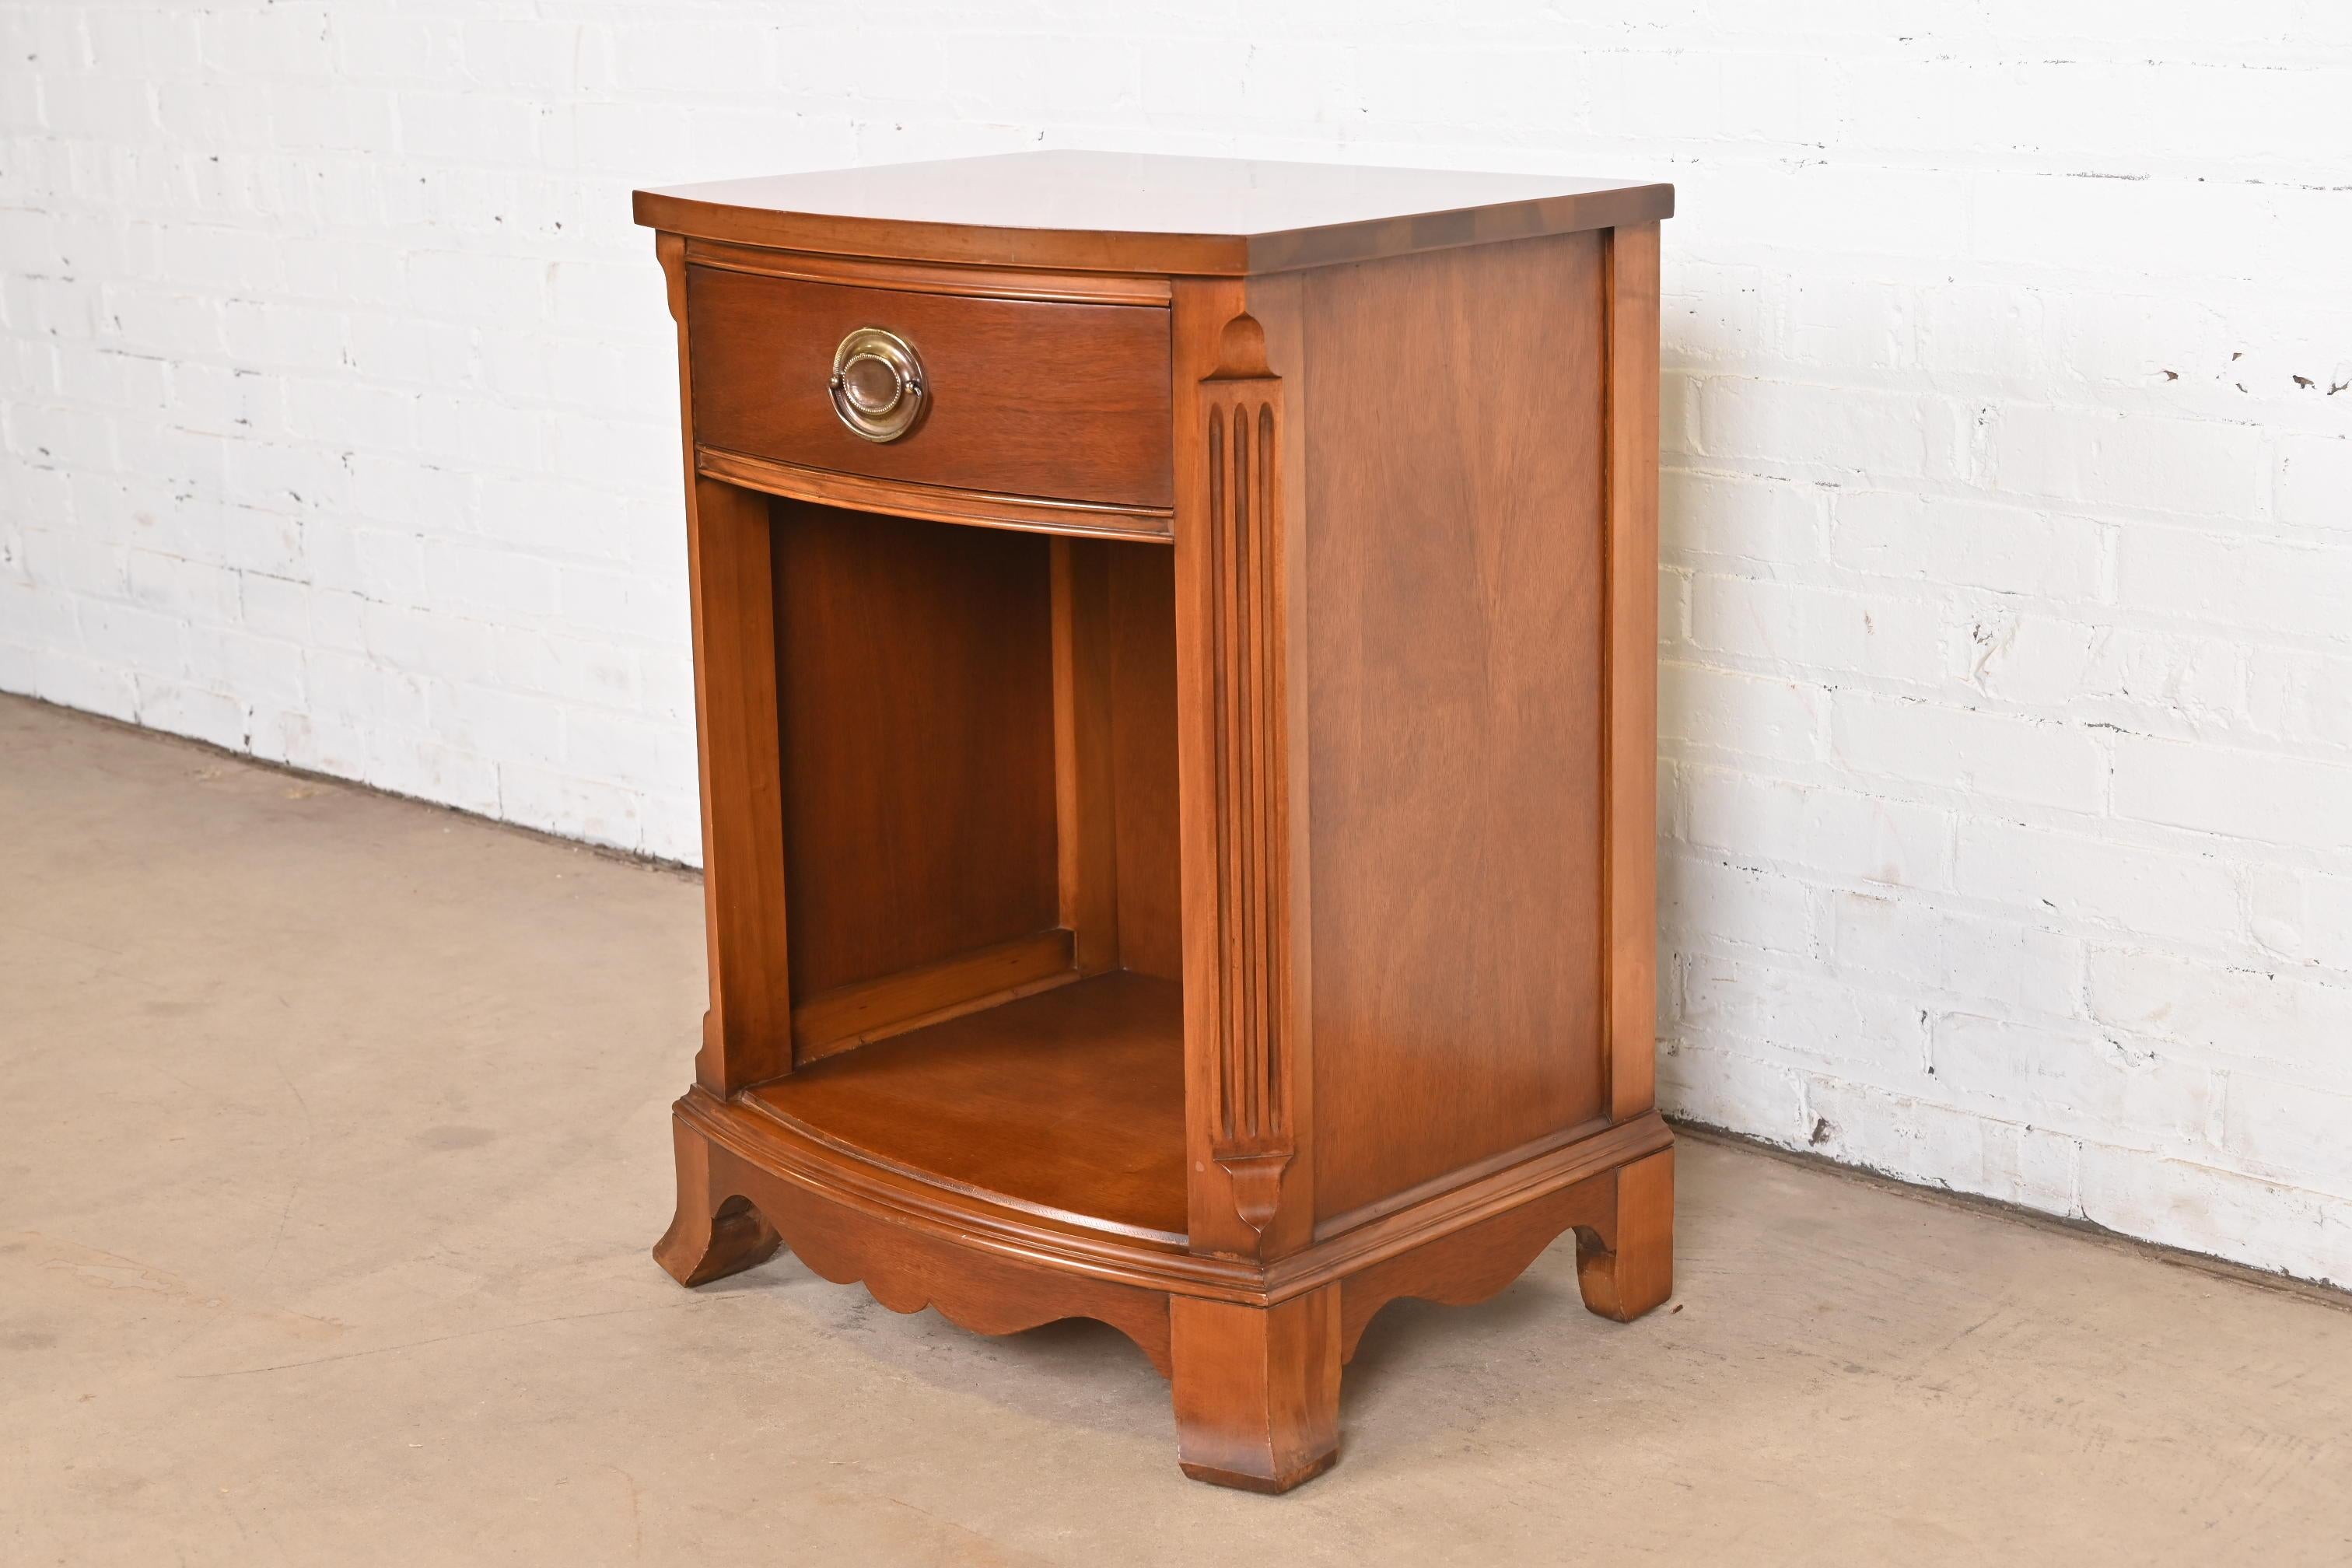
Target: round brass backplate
x=877, y=385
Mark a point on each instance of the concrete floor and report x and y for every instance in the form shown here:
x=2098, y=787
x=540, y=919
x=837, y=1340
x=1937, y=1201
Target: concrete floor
x=332, y=1138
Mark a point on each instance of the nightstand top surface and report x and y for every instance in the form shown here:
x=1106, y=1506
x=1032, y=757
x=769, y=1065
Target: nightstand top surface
x=1140, y=212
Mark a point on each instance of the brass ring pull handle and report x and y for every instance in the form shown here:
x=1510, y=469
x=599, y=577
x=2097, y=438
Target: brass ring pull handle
x=877, y=385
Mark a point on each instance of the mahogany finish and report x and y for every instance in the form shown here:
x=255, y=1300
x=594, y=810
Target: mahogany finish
x=916, y=661
x=1133, y=212
x=1030, y=397
x=1458, y=859
x=1068, y=1101
x=1178, y=822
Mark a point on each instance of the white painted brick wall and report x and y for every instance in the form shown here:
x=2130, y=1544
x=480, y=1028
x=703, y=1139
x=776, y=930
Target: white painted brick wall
x=2007, y=687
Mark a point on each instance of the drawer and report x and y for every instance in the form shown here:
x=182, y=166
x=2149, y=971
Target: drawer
x=1020, y=397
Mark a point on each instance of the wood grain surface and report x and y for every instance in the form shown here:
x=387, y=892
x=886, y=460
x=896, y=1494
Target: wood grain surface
x=1126, y=212
x=1180, y=823
x=1027, y=397
x=1455, y=562
x=914, y=672
x=1071, y=1102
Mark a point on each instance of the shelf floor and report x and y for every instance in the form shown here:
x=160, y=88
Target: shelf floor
x=1070, y=1102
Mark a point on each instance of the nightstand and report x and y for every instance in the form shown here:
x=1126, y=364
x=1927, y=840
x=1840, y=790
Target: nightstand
x=1175, y=650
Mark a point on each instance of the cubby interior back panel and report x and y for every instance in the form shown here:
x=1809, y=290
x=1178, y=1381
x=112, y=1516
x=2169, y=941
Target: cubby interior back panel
x=915, y=692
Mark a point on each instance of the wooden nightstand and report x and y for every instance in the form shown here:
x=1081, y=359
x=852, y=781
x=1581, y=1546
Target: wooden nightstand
x=1175, y=653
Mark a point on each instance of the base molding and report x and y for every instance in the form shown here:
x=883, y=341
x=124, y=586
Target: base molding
x=1473, y=1264
x=1253, y=1350
x=904, y=1267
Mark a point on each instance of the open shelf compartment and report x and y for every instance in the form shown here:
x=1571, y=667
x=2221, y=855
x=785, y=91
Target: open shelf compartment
x=1067, y=1102
x=977, y=733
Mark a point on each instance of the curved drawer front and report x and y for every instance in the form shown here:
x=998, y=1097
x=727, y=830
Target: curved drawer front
x=1022, y=397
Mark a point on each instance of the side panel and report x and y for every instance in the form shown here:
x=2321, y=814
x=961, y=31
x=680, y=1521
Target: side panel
x=1114, y=739
x=1456, y=541
x=1143, y=683
x=747, y=1032
x=1632, y=668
